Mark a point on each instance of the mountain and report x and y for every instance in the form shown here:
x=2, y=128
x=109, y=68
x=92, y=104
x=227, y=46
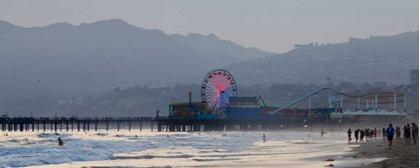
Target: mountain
x=382, y=58
x=213, y=45
x=64, y=62
x=62, y=58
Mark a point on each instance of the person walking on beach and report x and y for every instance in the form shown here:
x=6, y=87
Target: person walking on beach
x=356, y=135
x=383, y=133
x=398, y=132
x=407, y=134
x=367, y=134
x=349, y=135
x=390, y=131
x=263, y=137
x=362, y=135
x=375, y=132
x=415, y=132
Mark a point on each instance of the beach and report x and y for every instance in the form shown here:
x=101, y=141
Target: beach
x=297, y=149
x=399, y=156
x=180, y=149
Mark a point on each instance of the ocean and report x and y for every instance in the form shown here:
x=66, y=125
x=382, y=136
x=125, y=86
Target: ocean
x=125, y=149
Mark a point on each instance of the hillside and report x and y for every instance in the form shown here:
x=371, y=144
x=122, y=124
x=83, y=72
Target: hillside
x=213, y=45
x=62, y=58
x=383, y=58
x=75, y=70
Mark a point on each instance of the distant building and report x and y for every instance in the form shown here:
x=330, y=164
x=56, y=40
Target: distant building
x=414, y=77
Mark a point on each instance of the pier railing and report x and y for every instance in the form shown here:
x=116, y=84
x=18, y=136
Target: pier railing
x=74, y=123
x=153, y=123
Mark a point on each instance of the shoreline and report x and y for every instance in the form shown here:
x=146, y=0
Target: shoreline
x=400, y=155
x=296, y=152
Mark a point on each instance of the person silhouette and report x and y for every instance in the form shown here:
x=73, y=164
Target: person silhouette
x=263, y=137
x=60, y=142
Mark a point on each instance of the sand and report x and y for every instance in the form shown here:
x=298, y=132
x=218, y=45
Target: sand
x=399, y=156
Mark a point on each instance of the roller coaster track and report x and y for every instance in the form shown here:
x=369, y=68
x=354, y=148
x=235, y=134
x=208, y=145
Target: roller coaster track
x=371, y=95
x=328, y=86
x=390, y=102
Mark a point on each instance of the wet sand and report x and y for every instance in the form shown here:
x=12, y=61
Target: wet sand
x=399, y=156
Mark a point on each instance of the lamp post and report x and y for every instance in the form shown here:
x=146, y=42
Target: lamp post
x=157, y=114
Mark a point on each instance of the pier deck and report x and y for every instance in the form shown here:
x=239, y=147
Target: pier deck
x=154, y=124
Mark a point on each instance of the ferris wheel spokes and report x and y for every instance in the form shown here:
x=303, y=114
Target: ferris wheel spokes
x=217, y=87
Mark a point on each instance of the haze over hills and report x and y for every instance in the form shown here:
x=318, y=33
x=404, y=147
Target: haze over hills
x=63, y=58
x=65, y=62
x=382, y=58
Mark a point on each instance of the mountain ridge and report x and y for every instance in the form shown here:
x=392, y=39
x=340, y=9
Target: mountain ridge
x=101, y=55
x=378, y=58
x=212, y=43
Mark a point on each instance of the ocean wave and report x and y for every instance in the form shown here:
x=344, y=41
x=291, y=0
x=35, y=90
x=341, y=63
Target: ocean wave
x=110, y=167
x=29, y=143
x=304, y=142
x=101, y=134
x=32, y=151
x=153, y=156
x=220, y=159
x=13, y=140
x=212, y=151
x=51, y=135
x=127, y=167
x=35, y=151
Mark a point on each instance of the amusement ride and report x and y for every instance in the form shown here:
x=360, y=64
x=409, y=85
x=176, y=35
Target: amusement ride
x=219, y=100
x=218, y=85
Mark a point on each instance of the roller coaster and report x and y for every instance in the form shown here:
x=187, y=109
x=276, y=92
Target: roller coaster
x=372, y=99
x=219, y=101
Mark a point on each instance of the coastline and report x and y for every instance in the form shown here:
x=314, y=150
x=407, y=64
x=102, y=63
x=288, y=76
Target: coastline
x=398, y=156
x=283, y=149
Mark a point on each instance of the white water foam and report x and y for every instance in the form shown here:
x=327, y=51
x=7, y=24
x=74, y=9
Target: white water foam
x=190, y=148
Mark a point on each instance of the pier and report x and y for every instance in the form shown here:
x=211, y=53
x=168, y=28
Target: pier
x=175, y=125
x=76, y=124
x=161, y=124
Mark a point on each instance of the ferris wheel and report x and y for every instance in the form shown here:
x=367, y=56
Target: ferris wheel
x=217, y=87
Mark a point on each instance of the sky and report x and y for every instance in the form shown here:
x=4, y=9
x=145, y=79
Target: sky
x=270, y=25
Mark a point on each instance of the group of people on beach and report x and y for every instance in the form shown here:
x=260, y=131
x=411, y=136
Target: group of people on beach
x=368, y=133
x=410, y=132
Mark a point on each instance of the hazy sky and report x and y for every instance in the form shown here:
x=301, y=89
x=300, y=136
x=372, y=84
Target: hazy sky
x=271, y=25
